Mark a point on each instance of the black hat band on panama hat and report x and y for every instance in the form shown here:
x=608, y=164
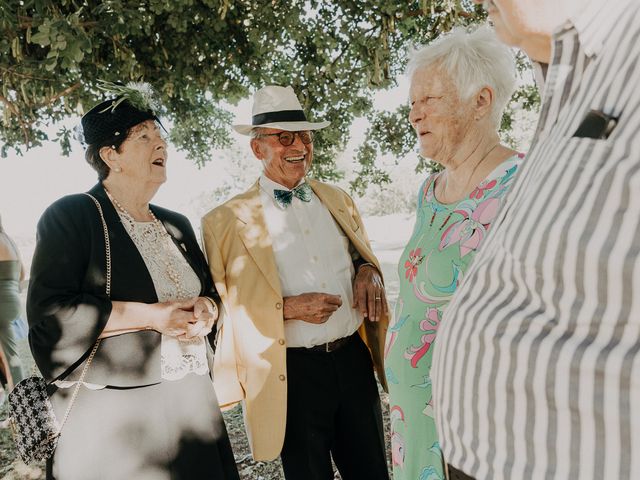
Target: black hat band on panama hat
x=279, y=116
x=105, y=121
x=277, y=107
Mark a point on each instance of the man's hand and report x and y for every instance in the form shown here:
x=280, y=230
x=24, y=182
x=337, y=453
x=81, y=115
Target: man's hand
x=368, y=293
x=311, y=307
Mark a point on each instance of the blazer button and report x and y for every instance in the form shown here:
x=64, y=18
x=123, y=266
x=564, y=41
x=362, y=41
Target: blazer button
x=278, y=305
x=281, y=377
x=281, y=341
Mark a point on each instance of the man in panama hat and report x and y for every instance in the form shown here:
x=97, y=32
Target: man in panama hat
x=305, y=304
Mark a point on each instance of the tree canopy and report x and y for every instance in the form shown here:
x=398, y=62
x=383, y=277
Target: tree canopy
x=203, y=54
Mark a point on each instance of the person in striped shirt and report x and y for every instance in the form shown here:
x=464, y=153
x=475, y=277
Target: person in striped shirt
x=536, y=370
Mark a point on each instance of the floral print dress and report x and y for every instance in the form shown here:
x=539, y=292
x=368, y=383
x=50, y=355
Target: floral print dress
x=445, y=240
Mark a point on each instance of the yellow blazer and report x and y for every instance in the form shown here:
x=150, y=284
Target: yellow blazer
x=250, y=359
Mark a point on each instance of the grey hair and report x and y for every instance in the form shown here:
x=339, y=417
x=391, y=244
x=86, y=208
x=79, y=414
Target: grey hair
x=256, y=131
x=473, y=58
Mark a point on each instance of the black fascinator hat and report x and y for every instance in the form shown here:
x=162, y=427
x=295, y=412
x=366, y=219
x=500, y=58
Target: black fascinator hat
x=130, y=105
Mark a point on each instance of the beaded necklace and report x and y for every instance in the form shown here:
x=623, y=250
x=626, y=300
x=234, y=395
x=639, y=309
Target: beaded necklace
x=438, y=207
x=417, y=256
x=473, y=172
x=159, y=232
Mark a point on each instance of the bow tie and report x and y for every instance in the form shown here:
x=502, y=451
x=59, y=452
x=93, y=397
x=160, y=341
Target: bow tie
x=284, y=197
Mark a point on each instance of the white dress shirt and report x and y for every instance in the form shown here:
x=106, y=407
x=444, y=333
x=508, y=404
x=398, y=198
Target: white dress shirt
x=312, y=255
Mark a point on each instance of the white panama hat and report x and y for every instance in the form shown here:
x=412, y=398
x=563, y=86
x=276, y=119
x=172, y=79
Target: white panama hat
x=278, y=107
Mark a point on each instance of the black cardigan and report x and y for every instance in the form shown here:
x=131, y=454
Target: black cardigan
x=67, y=305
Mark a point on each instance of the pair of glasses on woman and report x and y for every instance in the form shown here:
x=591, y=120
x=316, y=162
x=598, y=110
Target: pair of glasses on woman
x=287, y=138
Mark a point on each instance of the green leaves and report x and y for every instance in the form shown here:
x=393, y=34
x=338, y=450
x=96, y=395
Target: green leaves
x=201, y=129
x=389, y=133
x=202, y=54
x=43, y=37
x=65, y=40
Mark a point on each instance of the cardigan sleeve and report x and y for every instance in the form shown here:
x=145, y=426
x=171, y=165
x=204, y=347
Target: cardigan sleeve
x=67, y=305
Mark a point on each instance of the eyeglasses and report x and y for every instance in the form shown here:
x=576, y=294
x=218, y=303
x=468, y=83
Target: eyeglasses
x=287, y=138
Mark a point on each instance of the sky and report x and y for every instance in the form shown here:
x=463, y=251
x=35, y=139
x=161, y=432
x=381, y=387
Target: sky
x=30, y=183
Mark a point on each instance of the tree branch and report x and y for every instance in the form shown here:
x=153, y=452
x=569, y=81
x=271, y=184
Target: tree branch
x=27, y=22
x=24, y=75
x=63, y=93
x=10, y=105
x=420, y=13
x=16, y=112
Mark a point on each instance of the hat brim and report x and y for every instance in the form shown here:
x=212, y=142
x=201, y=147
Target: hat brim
x=288, y=126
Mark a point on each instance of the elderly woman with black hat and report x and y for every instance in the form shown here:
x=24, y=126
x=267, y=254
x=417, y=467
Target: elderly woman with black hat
x=120, y=304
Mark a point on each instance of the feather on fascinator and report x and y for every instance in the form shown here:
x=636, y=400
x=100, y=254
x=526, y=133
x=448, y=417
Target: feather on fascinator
x=130, y=105
x=139, y=94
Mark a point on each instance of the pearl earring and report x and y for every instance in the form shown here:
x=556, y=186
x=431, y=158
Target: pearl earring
x=117, y=169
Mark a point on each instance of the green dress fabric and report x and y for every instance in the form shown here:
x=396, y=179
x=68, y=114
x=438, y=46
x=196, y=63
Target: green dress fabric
x=444, y=242
x=9, y=311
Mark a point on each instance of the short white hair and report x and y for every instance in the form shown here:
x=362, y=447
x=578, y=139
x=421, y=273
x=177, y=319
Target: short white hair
x=473, y=58
x=255, y=132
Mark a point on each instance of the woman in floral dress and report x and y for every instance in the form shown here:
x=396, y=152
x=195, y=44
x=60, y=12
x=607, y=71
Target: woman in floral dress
x=460, y=85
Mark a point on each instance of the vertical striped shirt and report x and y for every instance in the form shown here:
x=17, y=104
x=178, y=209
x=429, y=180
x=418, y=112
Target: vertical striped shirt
x=537, y=365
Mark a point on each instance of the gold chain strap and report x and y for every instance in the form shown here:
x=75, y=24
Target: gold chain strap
x=107, y=247
x=77, y=389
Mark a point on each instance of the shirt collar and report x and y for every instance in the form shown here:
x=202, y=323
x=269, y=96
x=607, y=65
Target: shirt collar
x=268, y=186
x=593, y=20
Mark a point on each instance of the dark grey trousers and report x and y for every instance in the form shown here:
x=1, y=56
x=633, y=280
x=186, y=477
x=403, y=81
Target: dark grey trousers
x=333, y=410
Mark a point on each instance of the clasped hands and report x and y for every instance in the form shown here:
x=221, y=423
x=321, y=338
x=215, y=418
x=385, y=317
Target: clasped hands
x=185, y=319
x=314, y=307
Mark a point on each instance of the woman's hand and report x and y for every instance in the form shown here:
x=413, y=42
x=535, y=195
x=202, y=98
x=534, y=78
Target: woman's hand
x=205, y=314
x=182, y=319
x=173, y=318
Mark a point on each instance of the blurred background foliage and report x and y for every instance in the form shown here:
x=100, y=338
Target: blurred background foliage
x=204, y=54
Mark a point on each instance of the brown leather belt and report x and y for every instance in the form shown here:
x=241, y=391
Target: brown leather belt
x=326, y=347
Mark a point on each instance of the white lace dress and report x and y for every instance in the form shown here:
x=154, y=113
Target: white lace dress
x=173, y=279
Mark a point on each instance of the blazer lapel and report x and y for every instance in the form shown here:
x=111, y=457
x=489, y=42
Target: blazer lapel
x=338, y=211
x=255, y=235
x=341, y=214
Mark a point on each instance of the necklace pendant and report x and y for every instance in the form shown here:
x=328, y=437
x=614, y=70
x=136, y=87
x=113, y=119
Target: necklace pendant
x=446, y=220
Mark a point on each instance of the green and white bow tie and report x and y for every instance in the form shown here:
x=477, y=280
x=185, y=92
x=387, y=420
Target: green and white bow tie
x=284, y=197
